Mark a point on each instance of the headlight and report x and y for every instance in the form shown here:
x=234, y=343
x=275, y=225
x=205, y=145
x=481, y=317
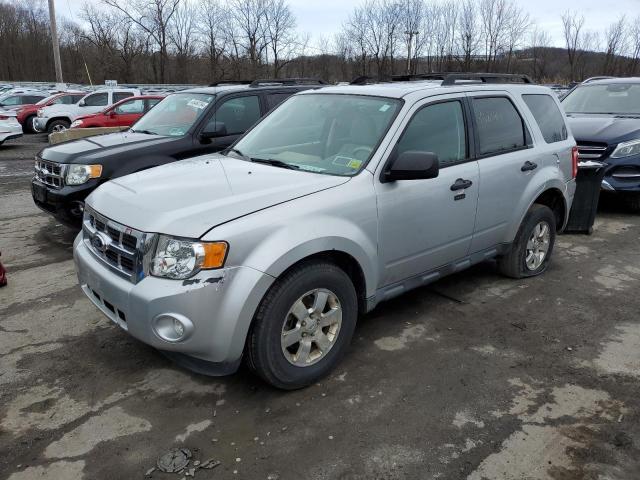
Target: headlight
x=79, y=174
x=179, y=259
x=76, y=123
x=627, y=149
x=40, y=113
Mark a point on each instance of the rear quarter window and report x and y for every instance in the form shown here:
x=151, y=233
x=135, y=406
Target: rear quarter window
x=499, y=126
x=547, y=116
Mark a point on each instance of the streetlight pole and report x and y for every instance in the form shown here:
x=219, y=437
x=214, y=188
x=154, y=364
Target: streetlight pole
x=411, y=34
x=54, y=41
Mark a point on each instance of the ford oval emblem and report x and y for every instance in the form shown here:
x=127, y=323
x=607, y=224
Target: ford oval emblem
x=100, y=242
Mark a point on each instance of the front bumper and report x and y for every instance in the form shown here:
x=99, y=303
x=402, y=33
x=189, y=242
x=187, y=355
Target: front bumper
x=65, y=204
x=622, y=175
x=10, y=130
x=219, y=303
x=40, y=124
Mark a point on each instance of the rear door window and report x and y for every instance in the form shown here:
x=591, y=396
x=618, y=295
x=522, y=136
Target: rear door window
x=132, y=106
x=548, y=117
x=151, y=102
x=97, y=100
x=275, y=99
x=117, y=96
x=238, y=114
x=499, y=126
x=439, y=129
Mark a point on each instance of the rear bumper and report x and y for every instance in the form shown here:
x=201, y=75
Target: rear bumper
x=219, y=304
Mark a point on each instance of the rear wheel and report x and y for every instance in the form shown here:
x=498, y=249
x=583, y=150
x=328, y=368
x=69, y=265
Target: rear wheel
x=530, y=252
x=58, y=126
x=303, y=325
x=27, y=126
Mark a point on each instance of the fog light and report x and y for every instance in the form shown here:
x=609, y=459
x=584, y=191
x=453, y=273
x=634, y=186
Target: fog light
x=172, y=327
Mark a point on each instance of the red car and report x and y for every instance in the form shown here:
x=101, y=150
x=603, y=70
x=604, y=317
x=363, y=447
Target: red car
x=121, y=114
x=27, y=113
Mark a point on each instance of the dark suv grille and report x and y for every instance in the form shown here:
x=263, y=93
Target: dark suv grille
x=50, y=173
x=592, y=151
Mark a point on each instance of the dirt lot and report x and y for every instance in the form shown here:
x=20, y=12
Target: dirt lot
x=476, y=377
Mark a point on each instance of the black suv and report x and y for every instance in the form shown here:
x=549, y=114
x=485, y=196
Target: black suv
x=184, y=124
x=604, y=116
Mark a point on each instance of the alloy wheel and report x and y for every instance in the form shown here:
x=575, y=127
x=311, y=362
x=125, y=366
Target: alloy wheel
x=538, y=246
x=311, y=327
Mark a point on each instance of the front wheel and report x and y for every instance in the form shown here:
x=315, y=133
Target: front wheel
x=303, y=325
x=58, y=126
x=530, y=252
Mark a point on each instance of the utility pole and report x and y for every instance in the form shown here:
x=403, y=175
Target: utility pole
x=411, y=34
x=54, y=41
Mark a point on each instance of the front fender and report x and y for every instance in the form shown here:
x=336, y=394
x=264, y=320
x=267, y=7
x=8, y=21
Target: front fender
x=286, y=246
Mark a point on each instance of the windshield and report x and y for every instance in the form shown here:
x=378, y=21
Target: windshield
x=324, y=133
x=613, y=98
x=174, y=115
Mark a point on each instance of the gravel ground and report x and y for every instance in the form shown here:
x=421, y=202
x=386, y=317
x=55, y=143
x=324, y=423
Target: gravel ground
x=474, y=377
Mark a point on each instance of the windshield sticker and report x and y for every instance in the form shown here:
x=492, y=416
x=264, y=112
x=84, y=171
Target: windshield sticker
x=385, y=107
x=355, y=164
x=342, y=161
x=312, y=168
x=197, y=104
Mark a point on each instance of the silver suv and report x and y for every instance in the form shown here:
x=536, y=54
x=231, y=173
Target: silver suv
x=339, y=199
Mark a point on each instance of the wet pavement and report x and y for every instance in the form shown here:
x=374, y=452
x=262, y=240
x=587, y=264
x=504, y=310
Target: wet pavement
x=474, y=377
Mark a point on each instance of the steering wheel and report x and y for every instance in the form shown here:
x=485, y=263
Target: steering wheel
x=366, y=150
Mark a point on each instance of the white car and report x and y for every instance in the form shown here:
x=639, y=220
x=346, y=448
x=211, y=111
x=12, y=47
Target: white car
x=56, y=118
x=9, y=127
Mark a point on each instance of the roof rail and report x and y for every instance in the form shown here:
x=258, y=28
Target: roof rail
x=287, y=81
x=230, y=82
x=593, y=79
x=451, y=78
x=419, y=76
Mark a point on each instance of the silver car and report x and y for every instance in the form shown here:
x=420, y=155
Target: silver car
x=339, y=199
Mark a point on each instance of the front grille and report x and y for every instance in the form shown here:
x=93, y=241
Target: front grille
x=50, y=173
x=122, y=248
x=591, y=152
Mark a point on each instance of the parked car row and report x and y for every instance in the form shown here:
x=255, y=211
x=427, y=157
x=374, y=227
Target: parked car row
x=313, y=204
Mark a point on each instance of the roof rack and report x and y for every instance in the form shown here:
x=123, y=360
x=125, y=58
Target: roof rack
x=230, y=82
x=593, y=79
x=452, y=78
x=287, y=81
x=412, y=77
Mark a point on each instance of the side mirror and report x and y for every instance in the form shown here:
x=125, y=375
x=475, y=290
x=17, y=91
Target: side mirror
x=81, y=103
x=412, y=165
x=213, y=130
x=111, y=113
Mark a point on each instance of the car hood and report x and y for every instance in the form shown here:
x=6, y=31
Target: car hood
x=190, y=197
x=51, y=109
x=609, y=129
x=99, y=148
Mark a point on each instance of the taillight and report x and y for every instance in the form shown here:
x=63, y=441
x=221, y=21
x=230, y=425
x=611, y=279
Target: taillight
x=574, y=162
x=3, y=117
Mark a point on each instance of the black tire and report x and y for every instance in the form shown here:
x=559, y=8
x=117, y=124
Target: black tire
x=51, y=127
x=633, y=202
x=264, y=350
x=27, y=126
x=513, y=264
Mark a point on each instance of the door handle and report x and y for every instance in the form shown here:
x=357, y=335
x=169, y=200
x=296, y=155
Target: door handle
x=461, y=184
x=528, y=166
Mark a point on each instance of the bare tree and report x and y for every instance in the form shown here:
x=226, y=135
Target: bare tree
x=248, y=33
x=494, y=15
x=281, y=36
x=468, y=32
x=517, y=24
x=212, y=28
x=540, y=42
x=152, y=16
x=615, y=38
x=574, y=38
x=634, y=45
x=182, y=35
x=411, y=16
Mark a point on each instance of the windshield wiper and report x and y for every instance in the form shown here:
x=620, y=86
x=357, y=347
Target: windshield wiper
x=238, y=152
x=148, y=132
x=275, y=163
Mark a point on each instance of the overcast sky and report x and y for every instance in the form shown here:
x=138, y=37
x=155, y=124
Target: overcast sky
x=324, y=17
